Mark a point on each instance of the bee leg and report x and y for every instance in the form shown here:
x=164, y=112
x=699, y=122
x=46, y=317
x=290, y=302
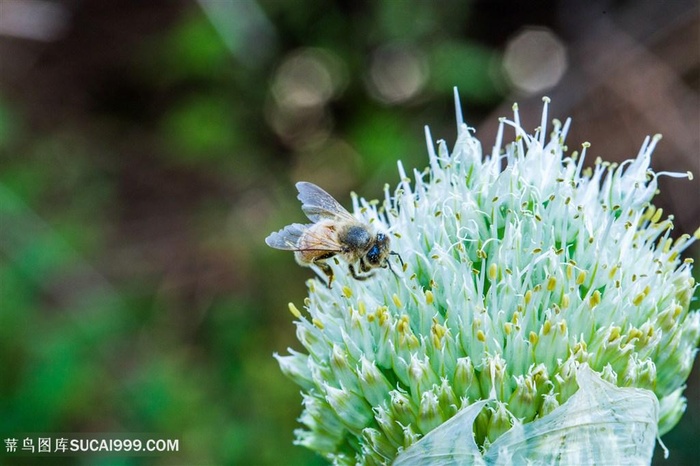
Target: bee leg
x=364, y=267
x=355, y=275
x=403, y=266
x=325, y=268
x=388, y=264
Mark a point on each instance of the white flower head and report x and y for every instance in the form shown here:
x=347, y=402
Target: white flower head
x=528, y=279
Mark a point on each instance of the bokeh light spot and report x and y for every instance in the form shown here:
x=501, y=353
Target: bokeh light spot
x=535, y=60
x=397, y=73
x=308, y=77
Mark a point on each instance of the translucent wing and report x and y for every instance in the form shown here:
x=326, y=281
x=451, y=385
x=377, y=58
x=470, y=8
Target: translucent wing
x=320, y=237
x=312, y=237
x=318, y=204
x=287, y=238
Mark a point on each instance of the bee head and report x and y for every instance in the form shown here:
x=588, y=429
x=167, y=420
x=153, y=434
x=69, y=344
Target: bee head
x=379, y=250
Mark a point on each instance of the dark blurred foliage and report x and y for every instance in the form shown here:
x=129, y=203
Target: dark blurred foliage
x=147, y=148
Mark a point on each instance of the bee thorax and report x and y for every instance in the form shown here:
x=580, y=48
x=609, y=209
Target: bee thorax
x=355, y=238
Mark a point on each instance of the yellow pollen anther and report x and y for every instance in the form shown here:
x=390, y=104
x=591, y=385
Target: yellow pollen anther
x=638, y=299
x=317, y=323
x=677, y=311
x=565, y=301
x=594, y=299
x=528, y=296
x=657, y=216
x=382, y=314
x=551, y=283
x=680, y=241
x=633, y=333
x=347, y=292
x=493, y=271
x=667, y=245
x=429, y=298
x=403, y=324
x=533, y=338
x=439, y=330
x=581, y=278
x=481, y=336
x=397, y=301
x=361, y=308
x=293, y=309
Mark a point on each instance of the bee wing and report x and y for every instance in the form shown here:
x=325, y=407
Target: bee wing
x=318, y=204
x=287, y=238
x=321, y=238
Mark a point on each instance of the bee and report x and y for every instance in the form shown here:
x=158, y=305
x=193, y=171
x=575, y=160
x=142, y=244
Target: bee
x=335, y=232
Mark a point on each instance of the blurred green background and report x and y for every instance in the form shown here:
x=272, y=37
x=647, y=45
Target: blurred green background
x=147, y=149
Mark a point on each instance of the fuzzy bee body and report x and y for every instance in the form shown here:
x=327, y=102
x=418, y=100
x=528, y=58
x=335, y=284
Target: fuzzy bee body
x=335, y=232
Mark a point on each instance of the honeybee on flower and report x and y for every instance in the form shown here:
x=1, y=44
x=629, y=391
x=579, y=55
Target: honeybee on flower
x=335, y=232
